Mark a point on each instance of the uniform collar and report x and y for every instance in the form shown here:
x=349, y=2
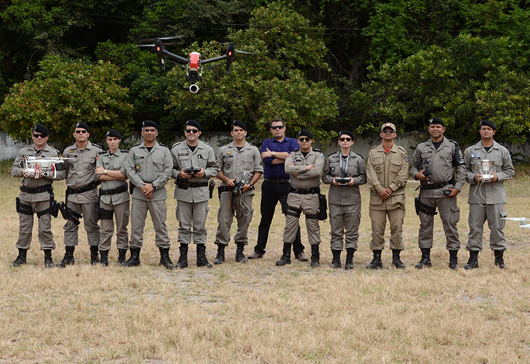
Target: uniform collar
x=233, y=146
x=142, y=145
x=495, y=145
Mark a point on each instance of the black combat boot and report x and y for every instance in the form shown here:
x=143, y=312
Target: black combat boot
x=335, y=263
x=396, y=260
x=104, y=261
x=376, y=263
x=68, y=258
x=349, y=258
x=220, y=258
x=134, y=259
x=286, y=256
x=315, y=256
x=201, y=256
x=499, y=260
x=48, y=261
x=183, y=258
x=472, y=263
x=425, y=260
x=121, y=256
x=21, y=258
x=94, y=256
x=165, y=260
x=240, y=256
x=453, y=259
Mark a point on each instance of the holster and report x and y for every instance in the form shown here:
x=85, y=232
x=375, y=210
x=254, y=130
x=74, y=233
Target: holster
x=68, y=213
x=211, y=187
x=182, y=183
x=322, y=213
x=52, y=210
x=24, y=209
x=105, y=214
x=421, y=207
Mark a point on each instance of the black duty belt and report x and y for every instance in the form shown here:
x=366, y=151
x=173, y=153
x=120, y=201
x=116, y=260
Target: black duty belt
x=71, y=191
x=435, y=186
x=197, y=184
x=45, y=188
x=119, y=189
x=303, y=191
x=277, y=180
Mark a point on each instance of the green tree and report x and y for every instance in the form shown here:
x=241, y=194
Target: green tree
x=471, y=80
x=278, y=80
x=63, y=93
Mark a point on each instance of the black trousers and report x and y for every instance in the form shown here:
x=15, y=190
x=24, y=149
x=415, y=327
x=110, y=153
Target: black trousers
x=270, y=196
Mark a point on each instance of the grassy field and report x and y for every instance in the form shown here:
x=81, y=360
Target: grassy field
x=260, y=313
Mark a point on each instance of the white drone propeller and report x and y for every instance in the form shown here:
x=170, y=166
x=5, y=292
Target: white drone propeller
x=525, y=226
x=521, y=219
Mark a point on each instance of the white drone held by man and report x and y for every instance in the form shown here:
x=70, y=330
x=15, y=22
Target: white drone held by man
x=42, y=166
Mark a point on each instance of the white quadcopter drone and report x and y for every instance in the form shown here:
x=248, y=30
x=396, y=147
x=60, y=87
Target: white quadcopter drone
x=45, y=166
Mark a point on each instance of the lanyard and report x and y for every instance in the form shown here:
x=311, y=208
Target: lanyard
x=344, y=170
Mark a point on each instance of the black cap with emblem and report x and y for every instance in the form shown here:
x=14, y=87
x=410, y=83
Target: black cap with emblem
x=149, y=123
x=194, y=123
x=305, y=132
x=240, y=124
x=113, y=133
x=82, y=126
x=437, y=121
x=39, y=128
x=488, y=123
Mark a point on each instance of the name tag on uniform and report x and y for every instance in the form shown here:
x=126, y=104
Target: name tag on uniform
x=228, y=156
x=183, y=154
x=297, y=160
x=426, y=151
x=139, y=157
x=71, y=156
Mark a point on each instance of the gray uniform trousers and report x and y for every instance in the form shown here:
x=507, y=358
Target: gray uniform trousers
x=309, y=204
x=225, y=218
x=344, y=220
x=395, y=218
x=477, y=216
x=450, y=215
x=89, y=221
x=121, y=214
x=158, y=211
x=192, y=214
x=25, y=227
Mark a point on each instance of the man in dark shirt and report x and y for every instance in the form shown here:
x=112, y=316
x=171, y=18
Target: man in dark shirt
x=276, y=184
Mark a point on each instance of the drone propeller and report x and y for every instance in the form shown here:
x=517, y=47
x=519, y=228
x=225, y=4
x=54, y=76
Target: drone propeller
x=525, y=226
x=521, y=219
x=243, y=52
x=163, y=38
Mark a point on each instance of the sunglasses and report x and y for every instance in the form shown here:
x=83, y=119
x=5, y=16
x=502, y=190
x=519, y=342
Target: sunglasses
x=387, y=131
x=39, y=136
x=345, y=139
x=304, y=139
x=277, y=127
x=81, y=131
x=192, y=131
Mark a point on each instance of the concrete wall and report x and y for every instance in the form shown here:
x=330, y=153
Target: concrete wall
x=9, y=148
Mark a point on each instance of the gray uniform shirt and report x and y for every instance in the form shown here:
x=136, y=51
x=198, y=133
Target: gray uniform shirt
x=441, y=165
x=114, y=162
x=235, y=163
x=32, y=182
x=153, y=167
x=300, y=178
x=344, y=195
x=204, y=157
x=81, y=171
x=488, y=192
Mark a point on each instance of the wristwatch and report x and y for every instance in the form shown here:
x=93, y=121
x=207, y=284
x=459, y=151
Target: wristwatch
x=273, y=153
x=106, y=170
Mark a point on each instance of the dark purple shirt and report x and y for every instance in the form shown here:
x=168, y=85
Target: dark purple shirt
x=277, y=171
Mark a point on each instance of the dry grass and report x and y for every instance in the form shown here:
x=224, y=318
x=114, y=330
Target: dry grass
x=260, y=313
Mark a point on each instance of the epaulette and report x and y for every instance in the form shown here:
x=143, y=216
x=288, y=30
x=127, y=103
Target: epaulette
x=454, y=142
x=137, y=144
x=402, y=149
x=163, y=145
x=360, y=155
x=375, y=146
x=57, y=150
x=296, y=150
x=317, y=150
x=124, y=150
x=97, y=146
x=102, y=152
x=174, y=145
x=425, y=141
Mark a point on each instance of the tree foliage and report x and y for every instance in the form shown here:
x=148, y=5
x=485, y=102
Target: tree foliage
x=471, y=80
x=66, y=92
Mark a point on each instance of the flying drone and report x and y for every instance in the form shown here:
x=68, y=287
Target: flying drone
x=522, y=221
x=194, y=65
